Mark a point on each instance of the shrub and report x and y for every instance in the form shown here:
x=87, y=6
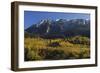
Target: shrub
x=50, y=54
x=85, y=53
x=31, y=55
x=54, y=44
x=80, y=40
x=66, y=44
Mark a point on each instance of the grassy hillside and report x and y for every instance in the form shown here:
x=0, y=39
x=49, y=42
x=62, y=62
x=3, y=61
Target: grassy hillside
x=77, y=47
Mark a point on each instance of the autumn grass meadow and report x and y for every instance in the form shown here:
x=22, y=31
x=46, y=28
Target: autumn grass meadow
x=36, y=48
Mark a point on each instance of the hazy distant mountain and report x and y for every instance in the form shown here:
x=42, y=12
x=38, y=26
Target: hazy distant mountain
x=60, y=28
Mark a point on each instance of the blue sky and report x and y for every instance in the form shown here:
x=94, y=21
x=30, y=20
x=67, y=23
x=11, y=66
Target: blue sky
x=33, y=17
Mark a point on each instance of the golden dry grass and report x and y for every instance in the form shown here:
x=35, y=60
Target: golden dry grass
x=63, y=48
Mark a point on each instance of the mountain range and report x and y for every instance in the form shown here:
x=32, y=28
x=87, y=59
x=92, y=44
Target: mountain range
x=59, y=28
